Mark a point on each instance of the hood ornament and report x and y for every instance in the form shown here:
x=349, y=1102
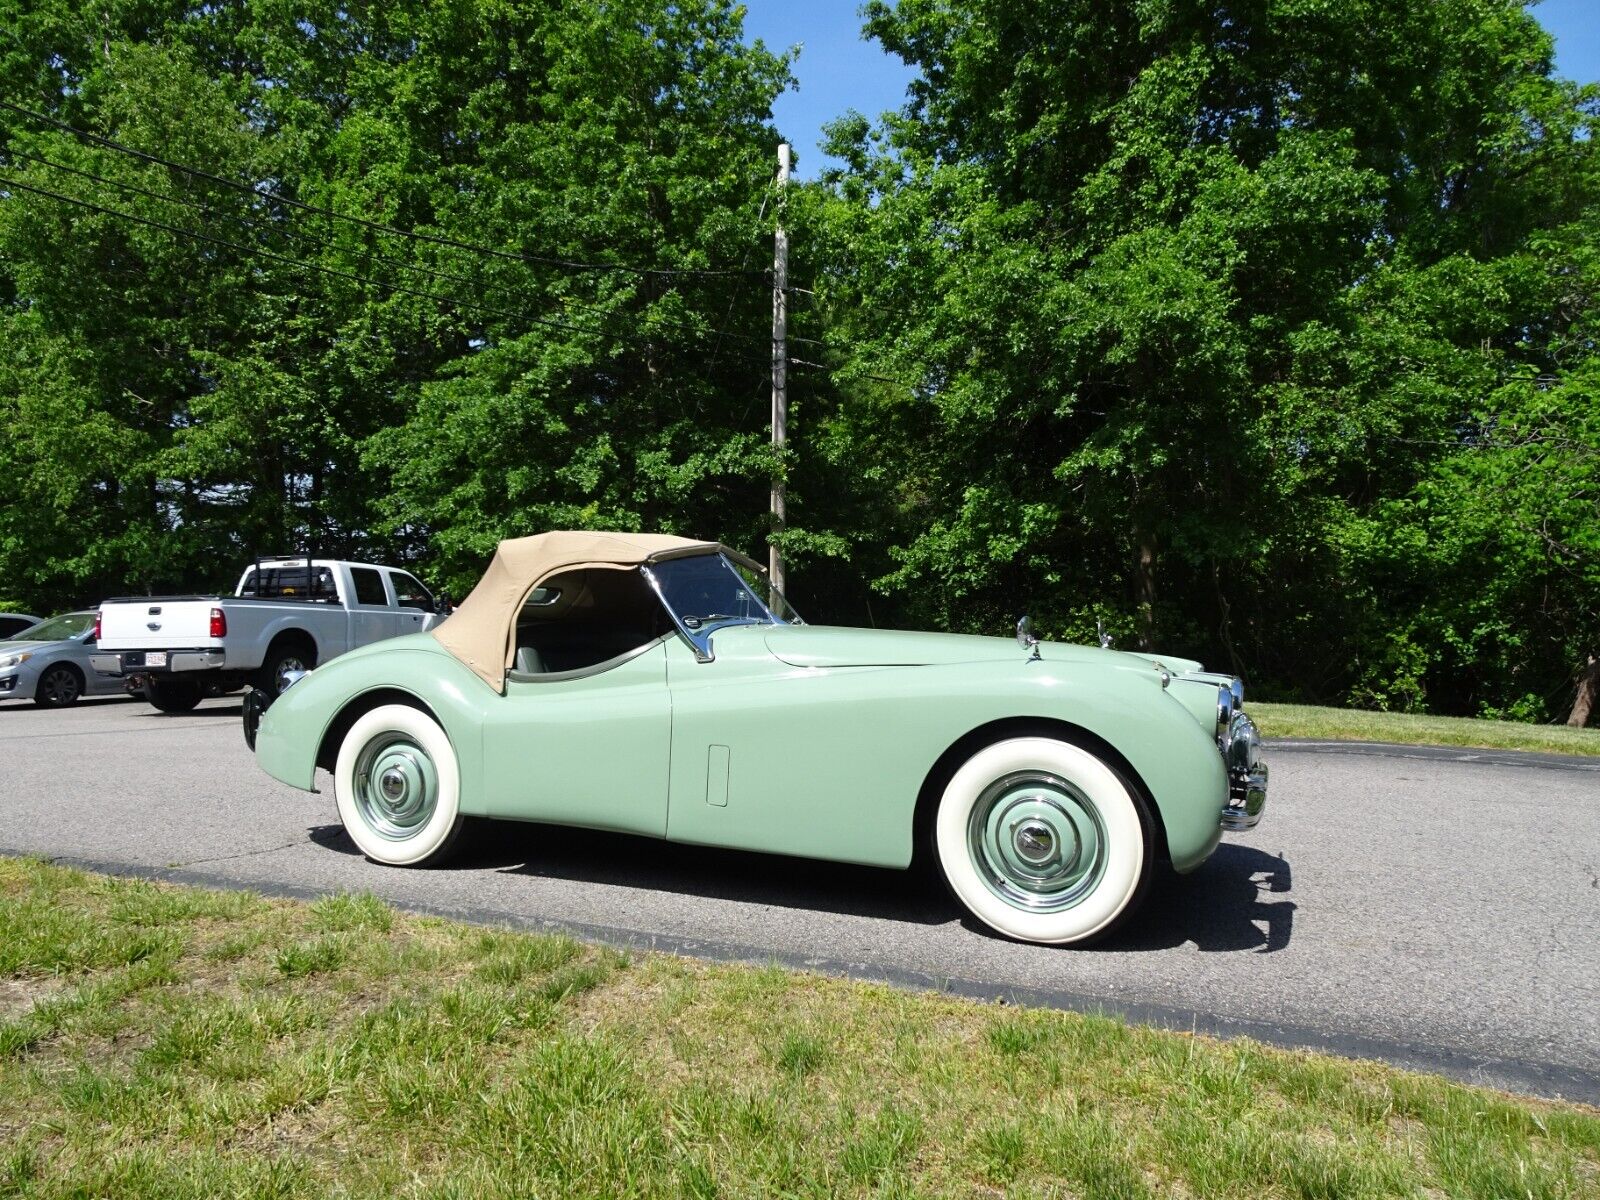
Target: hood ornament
x=1100, y=631
x=1027, y=639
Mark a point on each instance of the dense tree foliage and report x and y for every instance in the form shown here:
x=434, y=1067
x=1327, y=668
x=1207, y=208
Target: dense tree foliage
x=178, y=404
x=1260, y=331
x=1264, y=330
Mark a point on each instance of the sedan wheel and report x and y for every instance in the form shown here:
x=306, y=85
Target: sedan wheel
x=1043, y=841
x=58, y=687
x=398, y=786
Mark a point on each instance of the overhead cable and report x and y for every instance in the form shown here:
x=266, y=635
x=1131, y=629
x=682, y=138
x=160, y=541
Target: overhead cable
x=377, y=226
x=329, y=243
x=504, y=314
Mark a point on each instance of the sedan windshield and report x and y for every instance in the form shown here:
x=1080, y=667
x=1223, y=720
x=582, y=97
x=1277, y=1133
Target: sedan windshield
x=57, y=629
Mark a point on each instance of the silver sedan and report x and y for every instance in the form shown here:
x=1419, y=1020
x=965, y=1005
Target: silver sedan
x=49, y=663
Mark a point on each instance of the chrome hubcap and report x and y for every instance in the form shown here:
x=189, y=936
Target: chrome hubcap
x=1038, y=842
x=287, y=666
x=1035, y=843
x=396, y=786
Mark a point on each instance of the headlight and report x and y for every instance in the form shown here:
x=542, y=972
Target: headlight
x=15, y=660
x=1224, y=714
x=1237, y=687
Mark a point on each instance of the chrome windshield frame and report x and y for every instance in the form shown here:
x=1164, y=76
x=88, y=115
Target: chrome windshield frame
x=699, y=638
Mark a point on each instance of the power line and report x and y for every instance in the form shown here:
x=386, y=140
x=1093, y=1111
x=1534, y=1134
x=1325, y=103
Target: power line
x=504, y=314
x=379, y=227
x=801, y=362
x=328, y=243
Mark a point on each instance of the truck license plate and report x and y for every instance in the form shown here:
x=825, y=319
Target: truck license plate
x=156, y=658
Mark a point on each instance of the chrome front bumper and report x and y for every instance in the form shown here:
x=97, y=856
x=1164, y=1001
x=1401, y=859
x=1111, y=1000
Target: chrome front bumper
x=1247, y=775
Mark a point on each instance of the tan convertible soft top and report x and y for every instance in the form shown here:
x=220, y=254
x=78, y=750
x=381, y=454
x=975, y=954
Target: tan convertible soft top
x=482, y=632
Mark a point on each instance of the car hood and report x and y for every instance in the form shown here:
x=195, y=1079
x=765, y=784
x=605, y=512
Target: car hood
x=839, y=646
x=31, y=647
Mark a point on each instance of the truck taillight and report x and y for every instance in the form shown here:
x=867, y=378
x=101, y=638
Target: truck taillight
x=219, y=623
x=96, y=636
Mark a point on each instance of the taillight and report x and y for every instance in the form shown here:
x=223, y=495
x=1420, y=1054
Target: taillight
x=96, y=627
x=219, y=623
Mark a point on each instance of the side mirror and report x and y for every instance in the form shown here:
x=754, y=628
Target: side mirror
x=442, y=605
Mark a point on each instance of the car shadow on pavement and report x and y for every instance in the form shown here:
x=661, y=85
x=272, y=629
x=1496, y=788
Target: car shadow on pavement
x=1221, y=906
x=649, y=864
x=235, y=711
x=1231, y=902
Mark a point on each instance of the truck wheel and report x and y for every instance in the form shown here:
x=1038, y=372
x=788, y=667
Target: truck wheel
x=173, y=695
x=59, y=686
x=1043, y=841
x=283, y=657
x=398, y=787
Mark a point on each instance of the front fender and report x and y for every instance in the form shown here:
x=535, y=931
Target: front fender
x=293, y=728
x=1175, y=758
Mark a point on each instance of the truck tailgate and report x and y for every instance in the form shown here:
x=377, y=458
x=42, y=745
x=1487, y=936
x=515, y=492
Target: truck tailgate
x=182, y=623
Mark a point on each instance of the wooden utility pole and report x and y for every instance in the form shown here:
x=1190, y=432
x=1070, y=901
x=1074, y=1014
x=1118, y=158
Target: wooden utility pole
x=780, y=369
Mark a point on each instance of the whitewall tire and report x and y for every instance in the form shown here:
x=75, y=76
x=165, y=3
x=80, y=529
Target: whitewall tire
x=1042, y=841
x=398, y=786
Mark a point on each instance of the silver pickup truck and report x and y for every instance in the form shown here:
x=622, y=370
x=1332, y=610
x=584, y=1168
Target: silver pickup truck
x=287, y=615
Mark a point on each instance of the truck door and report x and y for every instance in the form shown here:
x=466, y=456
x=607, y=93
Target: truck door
x=414, y=603
x=373, y=615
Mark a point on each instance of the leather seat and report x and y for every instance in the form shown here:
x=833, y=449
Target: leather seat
x=529, y=661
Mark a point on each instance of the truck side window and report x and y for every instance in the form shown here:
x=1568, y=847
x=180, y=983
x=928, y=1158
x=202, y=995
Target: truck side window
x=369, y=587
x=410, y=593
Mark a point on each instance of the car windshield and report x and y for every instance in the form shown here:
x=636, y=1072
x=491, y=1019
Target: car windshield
x=57, y=629
x=707, y=591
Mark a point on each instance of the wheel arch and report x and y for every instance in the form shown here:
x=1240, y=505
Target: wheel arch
x=64, y=664
x=293, y=635
x=975, y=739
x=69, y=665
x=358, y=706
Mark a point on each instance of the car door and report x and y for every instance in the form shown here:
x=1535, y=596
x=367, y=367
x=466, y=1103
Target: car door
x=373, y=615
x=588, y=747
x=771, y=757
x=414, y=603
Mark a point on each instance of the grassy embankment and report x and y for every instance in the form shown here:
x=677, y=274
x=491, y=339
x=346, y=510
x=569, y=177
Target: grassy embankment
x=177, y=1042
x=1349, y=724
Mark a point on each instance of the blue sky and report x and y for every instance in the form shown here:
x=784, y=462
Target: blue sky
x=839, y=71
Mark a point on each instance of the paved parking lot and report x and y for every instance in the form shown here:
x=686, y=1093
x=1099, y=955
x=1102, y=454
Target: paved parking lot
x=1437, y=909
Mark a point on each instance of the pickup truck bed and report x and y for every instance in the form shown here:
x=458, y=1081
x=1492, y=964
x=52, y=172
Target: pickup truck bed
x=312, y=612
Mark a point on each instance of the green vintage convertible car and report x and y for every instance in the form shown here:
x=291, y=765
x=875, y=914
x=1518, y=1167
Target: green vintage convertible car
x=658, y=686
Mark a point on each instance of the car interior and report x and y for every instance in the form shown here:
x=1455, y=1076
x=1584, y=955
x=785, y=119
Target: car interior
x=585, y=618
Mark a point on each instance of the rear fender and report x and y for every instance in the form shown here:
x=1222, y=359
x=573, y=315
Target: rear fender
x=295, y=728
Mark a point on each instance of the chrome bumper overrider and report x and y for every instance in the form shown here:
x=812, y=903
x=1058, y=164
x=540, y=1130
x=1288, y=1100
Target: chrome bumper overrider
x=1247, y=775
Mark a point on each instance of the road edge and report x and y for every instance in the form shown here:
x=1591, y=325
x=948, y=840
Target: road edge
x=1547, y=1081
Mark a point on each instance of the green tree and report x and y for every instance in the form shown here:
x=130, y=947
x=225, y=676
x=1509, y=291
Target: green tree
x=1189, y=303
x=197, y=370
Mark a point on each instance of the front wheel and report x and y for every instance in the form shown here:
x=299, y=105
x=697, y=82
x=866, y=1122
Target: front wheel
x=398, y=786
x=59, y=686
x=1043, y=841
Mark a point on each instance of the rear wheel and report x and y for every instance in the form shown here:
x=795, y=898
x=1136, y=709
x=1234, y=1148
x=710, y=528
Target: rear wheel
x=1043, y=841
x=173, y=695
x=59, y=686
x=282, y=658
x=398, y=786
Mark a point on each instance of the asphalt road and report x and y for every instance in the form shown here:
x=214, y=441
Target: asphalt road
x=1438, y=909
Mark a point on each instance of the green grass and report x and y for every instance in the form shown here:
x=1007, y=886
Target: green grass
x=171, y=1042
x=1356, y=725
